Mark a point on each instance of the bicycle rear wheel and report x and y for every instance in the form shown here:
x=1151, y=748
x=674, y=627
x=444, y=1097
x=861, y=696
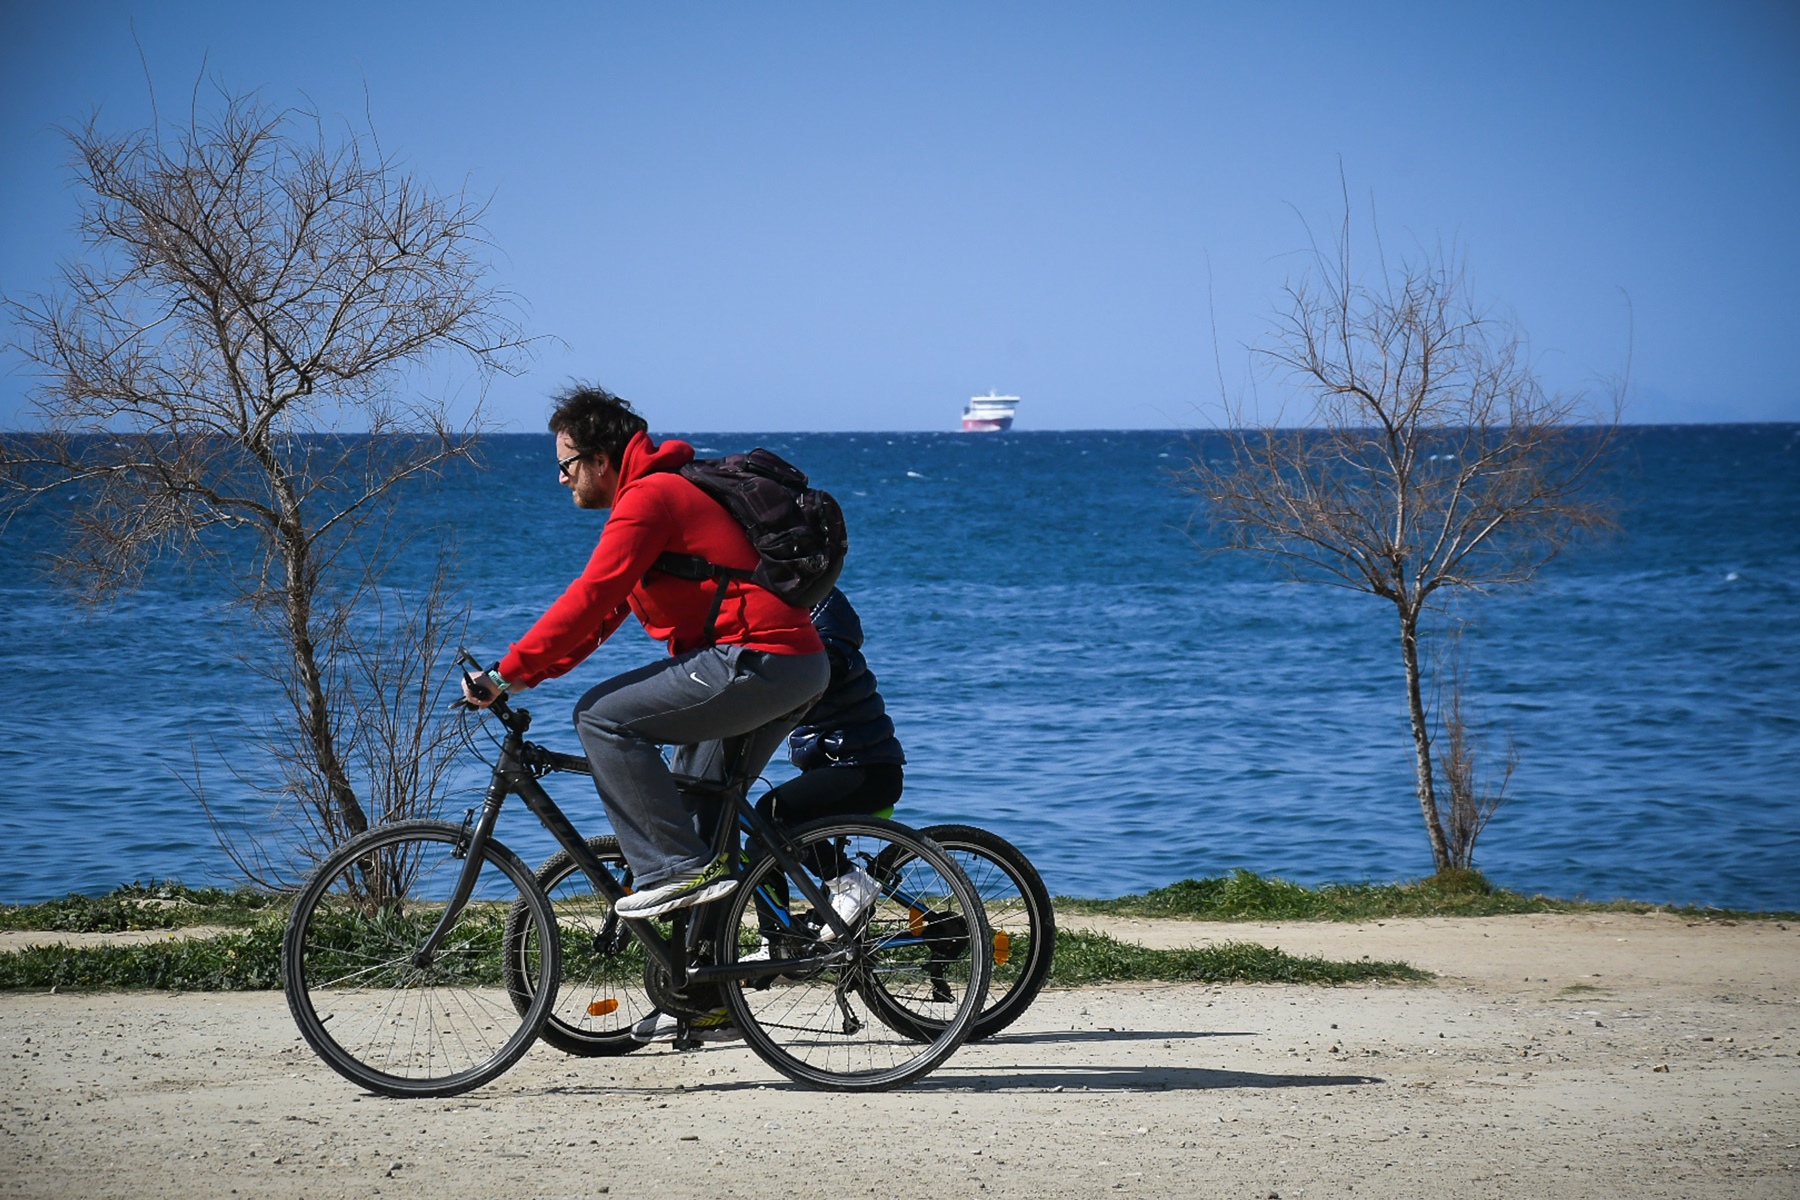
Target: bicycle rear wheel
x=923, y=939
x=601, y=993
x=363, y=1001
x=1021, y=923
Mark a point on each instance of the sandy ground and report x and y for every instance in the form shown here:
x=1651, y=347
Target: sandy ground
x=1556, y=1056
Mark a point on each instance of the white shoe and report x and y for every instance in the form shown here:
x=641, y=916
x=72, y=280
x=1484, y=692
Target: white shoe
x=852, y=894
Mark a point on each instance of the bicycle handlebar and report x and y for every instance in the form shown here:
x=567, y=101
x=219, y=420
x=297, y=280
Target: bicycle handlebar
x=516, y=719
x=474, y=682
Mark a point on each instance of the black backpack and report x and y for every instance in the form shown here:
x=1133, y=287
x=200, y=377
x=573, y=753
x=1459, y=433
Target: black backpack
x=798, y=531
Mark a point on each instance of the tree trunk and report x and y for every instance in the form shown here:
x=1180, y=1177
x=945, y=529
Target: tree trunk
x=297, y=601
x=1415, y=703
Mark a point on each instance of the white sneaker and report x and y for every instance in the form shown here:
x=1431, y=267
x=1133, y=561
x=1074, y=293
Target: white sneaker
x=852, y=894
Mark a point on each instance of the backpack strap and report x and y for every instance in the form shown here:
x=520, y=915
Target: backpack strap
x=692, y=566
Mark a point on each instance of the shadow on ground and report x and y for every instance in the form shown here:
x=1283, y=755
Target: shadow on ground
x=1107, y=1035
x=1036, y=1079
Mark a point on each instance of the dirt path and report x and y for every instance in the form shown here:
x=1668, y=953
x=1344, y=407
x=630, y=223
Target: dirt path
x=1487, y=1083
x=1543, y=954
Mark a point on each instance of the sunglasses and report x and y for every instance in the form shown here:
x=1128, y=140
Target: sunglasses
x=563, y=464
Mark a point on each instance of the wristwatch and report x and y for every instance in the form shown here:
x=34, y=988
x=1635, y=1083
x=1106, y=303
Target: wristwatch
x=493, y=674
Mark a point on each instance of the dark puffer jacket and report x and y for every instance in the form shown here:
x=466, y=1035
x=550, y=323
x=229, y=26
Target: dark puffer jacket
x=849, y=726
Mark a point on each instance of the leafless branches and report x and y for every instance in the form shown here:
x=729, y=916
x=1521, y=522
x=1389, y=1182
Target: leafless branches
x=386, y=695
x=226, y=377
x=1429, y=458
x=1475, y=781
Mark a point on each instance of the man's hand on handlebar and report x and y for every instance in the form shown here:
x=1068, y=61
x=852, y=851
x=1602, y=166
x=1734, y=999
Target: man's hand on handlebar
x=478, y=691
x=482, y=689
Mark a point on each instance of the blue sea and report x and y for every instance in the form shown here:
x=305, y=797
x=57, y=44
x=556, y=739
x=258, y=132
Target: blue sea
x=1070, y=663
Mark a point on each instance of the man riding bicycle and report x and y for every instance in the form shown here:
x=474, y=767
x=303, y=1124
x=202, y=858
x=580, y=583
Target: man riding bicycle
x=762, y=669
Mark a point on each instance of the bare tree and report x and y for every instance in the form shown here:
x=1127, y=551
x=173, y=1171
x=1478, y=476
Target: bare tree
x=226, y=377
x=382, y=652
x=1430, y=459
x=1476, y=783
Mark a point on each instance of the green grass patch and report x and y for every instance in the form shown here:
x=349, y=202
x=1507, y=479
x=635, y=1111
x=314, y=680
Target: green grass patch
x=141, y=906
x=251, y=960
x=228, y=962
x=1086, y=958
x=1246, y=896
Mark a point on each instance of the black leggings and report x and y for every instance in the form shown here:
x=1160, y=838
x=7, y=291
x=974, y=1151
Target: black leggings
x=831, y=792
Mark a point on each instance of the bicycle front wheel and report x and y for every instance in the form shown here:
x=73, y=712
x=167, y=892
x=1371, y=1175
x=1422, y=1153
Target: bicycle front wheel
x=359, y=991
x=601, y=994
x=922, y=938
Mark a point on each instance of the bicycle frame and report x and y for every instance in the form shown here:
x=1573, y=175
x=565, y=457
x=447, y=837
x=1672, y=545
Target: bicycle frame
x=516, y=772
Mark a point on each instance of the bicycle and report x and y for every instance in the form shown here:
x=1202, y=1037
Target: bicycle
x=601, y=996
x=423, y=958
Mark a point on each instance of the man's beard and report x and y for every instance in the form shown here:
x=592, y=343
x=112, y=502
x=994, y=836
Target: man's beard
x=587, y=496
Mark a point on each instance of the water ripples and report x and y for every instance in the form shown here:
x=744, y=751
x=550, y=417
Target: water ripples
x=1068, y=666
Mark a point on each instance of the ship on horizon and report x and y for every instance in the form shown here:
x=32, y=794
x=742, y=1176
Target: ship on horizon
x=991, y=413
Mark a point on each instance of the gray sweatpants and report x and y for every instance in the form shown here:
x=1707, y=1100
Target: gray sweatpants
x=694, y=701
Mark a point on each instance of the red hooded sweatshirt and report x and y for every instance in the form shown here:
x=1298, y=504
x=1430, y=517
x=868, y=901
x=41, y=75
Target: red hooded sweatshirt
x=656, y=510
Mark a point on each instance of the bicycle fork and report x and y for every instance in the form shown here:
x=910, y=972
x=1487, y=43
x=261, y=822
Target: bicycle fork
x=471, y=850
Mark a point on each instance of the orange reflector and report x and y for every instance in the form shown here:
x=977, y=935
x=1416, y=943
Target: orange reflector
x=915, y=920
x=1002, y=947
x=601, y=1008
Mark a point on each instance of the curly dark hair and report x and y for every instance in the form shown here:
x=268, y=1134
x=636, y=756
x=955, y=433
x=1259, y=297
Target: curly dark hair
x=596, y=421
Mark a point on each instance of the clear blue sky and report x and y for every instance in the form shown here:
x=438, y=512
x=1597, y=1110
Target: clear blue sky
x=853, y=216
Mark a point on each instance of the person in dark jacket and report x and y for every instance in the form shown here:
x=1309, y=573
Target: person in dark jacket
x=850, y=764
x=845, y=747
x=850, y=761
